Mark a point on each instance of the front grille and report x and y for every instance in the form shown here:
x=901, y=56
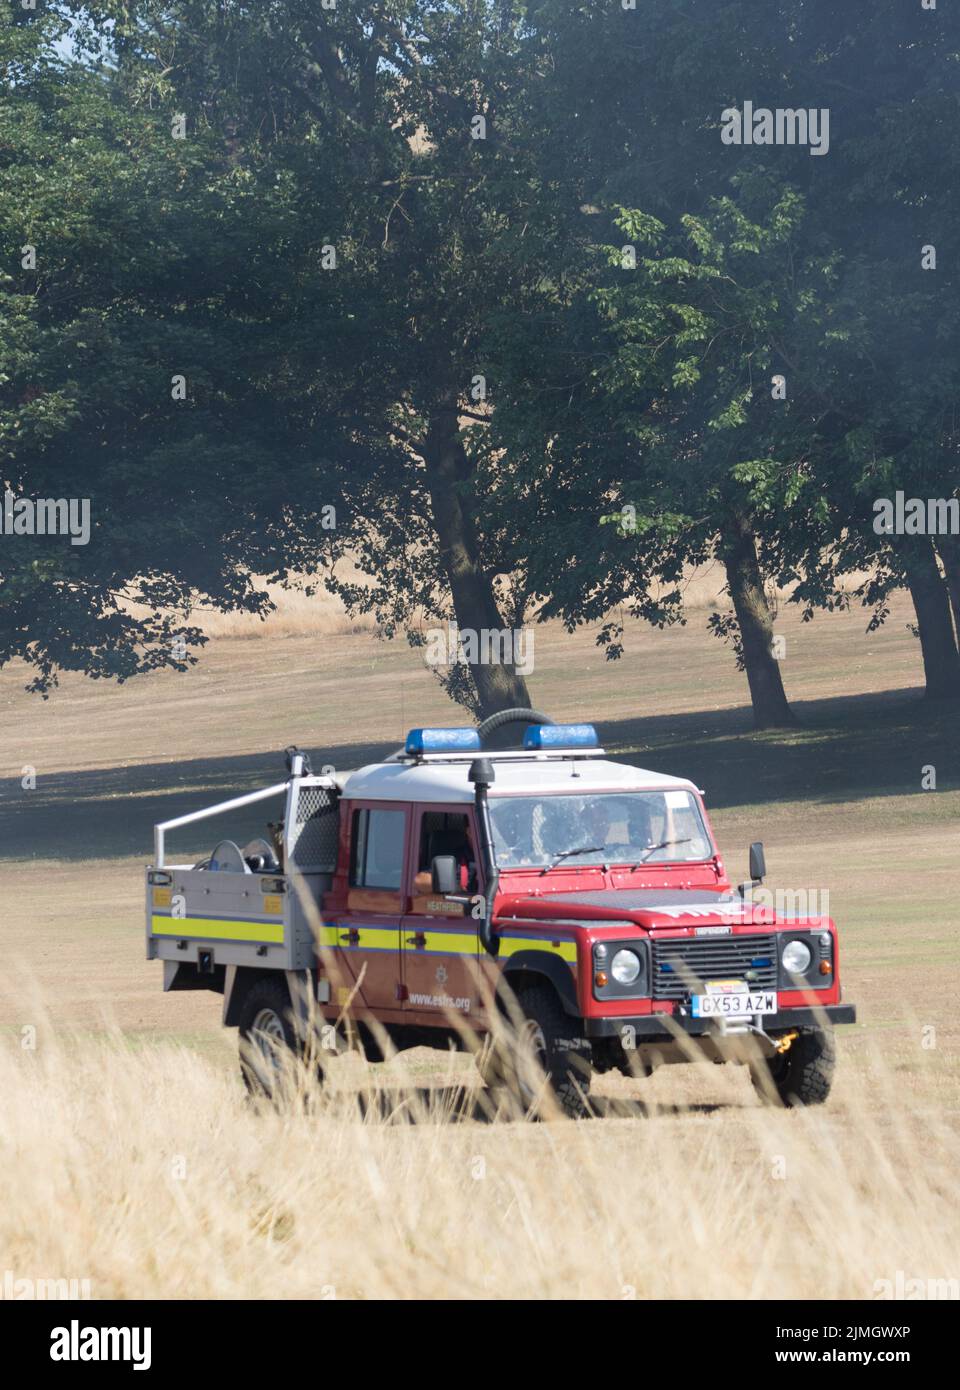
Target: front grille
x=682, y=967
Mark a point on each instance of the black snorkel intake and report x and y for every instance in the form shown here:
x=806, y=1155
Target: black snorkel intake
x=482, y=776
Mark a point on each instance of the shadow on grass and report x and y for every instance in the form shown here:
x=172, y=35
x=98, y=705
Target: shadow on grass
x=841, y=750
x=110, y=813
x=459, y=1104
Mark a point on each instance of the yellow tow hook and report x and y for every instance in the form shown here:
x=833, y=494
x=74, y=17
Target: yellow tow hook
x=784, y=1043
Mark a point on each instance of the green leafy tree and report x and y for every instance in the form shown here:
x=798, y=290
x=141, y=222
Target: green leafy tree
x=762, y=354
x=141, y=371
x=408, y=125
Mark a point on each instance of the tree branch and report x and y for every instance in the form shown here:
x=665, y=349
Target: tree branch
x=329, y=61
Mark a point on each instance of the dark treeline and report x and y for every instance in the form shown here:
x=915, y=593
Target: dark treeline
x=528, y=294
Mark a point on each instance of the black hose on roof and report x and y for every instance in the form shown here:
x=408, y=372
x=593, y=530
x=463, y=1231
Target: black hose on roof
x=502, y=718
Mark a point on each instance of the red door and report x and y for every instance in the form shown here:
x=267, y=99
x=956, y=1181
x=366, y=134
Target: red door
x=439, y=937
x=367, y=934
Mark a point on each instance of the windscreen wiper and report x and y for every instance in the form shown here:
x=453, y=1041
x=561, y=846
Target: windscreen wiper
x=652, y=849
x=584, y=849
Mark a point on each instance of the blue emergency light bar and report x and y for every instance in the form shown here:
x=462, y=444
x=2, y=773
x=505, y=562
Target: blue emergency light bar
x=540, y=737
x=442, y=741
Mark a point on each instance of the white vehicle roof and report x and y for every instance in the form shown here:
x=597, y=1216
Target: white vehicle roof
x=447, y=781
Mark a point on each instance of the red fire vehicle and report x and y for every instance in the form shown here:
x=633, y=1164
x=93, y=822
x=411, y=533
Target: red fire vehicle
x=459, y=882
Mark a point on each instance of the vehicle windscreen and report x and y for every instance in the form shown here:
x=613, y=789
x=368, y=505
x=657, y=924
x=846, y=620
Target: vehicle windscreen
x=626, y=828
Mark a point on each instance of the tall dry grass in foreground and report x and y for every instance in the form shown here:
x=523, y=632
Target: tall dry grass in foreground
x=149, y=1173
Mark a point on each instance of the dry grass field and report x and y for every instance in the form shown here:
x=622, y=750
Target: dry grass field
x=133, y=1159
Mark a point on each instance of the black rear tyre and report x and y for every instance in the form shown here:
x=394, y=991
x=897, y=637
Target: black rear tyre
x=800, y=1076
x=267, y=1029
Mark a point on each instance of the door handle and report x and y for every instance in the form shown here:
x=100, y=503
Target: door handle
x=420, y=939
x=353, y=936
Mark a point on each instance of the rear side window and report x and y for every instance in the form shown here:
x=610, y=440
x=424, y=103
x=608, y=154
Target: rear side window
x=376, y=859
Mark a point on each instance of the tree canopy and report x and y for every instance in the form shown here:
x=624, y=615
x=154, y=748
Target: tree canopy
x=486, y=284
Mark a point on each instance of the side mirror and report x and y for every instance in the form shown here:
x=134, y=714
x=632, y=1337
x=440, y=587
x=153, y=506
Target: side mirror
x=758, y=862
x=444, y=875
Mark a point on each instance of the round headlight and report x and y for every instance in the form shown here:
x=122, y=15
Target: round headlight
x=796, y=957
x=625, y=967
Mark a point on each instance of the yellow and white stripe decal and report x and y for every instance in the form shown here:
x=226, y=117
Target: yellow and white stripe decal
x=217, y=928
x=372, y=938
x=453, y=943
x=442, y=941
x=510, y=945
x=363, y=938
x=369, y=938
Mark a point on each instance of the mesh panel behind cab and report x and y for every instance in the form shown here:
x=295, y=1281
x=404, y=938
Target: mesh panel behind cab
x=313, y=834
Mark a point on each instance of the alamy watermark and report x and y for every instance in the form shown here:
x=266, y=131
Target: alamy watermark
x=901, y=1288
x=76, y=1343
x=916, y=516
x=18, y=1290
x=790, y=904
x=46, y=516
x=486, y=647
x=793, y=904
x=781, y=126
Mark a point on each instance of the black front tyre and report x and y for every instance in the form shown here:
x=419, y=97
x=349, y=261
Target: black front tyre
x=561, y=1057
x=800, y=1076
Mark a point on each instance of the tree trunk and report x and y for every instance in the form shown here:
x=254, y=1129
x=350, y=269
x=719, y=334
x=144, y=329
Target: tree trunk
x=739, y=551
x=499, y=684
x=949, y=548
x=941, y=660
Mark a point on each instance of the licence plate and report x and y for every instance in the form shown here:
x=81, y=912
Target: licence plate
x=734, y=1004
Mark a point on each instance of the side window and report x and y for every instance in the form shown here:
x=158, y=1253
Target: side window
x=376, y=858
x=444, y=832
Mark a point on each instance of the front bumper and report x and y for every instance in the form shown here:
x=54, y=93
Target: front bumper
x=650, y=1026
